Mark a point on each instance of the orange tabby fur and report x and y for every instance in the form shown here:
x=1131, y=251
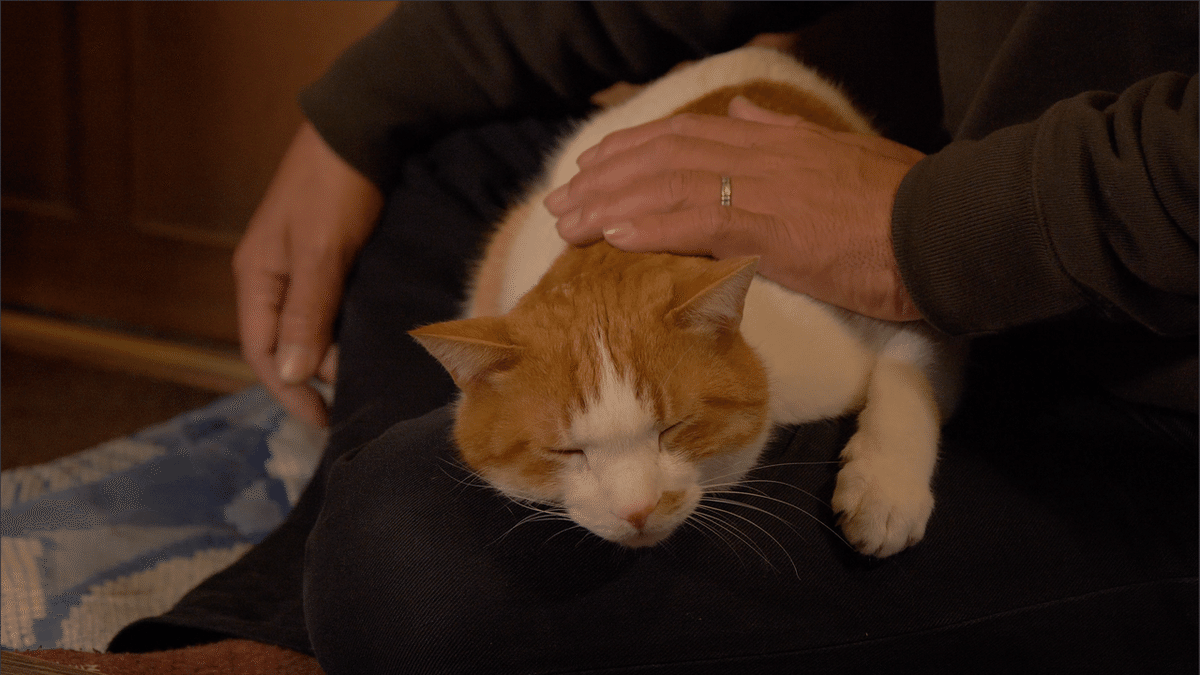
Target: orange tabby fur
x=774, y=96
x=711, y=379
x=619, y=388
x=586, y=285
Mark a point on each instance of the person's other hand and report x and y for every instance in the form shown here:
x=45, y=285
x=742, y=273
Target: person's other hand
x=813, y=203
x=291, y=265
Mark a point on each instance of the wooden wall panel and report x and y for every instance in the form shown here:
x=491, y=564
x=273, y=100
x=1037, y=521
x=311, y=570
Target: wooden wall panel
x=104, y=153
x=137, y=140
x=214, y=102
x=35, y=118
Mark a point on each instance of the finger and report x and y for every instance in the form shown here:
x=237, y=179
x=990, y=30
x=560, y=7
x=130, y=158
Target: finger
x=302, y=402
x=719, y=231
x=622, y=140
x=257, y=312
x=259, y=297
x=662, y=155
x=307, y=314
x=259, y=294
x=657, y=194
x=648, y=139
x=327, y=371
x=673, y=191
x=742, y=108
x=698, y=142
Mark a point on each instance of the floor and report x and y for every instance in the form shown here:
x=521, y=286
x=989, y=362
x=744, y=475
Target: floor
x=52, y=407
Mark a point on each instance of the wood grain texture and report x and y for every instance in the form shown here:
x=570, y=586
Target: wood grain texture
x=209, y=369
x=138, y=139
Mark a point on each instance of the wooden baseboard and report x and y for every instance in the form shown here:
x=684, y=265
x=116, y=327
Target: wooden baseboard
x=210, y=369
x=16, y=663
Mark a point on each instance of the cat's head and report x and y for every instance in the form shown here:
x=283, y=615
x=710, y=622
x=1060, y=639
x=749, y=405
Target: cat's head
x=617, y=390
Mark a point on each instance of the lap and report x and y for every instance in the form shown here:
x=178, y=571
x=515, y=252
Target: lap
x=1064, y=537
x=1064, y=532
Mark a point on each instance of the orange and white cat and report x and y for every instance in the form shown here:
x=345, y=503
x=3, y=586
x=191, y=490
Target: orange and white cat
x=619, y=387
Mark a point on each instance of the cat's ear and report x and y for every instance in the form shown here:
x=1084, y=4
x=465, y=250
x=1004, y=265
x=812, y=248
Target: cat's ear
x=712, y=303
x=469, y=349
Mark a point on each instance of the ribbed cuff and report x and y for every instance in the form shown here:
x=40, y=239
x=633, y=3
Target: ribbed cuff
x=967, y=237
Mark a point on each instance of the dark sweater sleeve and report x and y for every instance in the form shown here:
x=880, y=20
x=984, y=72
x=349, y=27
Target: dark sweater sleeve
x=1091, y=208
x=431, y=67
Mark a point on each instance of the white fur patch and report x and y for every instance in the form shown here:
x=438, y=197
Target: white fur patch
x=616, y=416
x=625, y=473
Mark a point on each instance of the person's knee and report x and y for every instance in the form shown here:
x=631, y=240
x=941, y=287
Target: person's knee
x=363, y=553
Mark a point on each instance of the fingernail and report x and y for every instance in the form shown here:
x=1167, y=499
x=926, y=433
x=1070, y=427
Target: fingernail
x=556, y=201
x=327, y=371
x=587, y=156
x=569, y=224
x=290, y=360
x=618, y=233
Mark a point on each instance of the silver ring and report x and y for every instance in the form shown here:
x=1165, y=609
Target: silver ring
x=726, y=191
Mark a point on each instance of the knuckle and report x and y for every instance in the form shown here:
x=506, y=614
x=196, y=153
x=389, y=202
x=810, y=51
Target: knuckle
x=678, y=124
x=684, y=123
x=584, y=185
x=665, y=148
x=318, y=258
x=303, y=318
x=716, y=223
x=612, y=144
x=678, y=187
x=771, y=163
x=575, y=185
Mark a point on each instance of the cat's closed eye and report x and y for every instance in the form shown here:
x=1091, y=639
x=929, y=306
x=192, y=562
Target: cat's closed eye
x=662, y=435
x=564, y=452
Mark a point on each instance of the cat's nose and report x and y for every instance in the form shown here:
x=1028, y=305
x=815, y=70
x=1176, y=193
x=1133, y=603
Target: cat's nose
x=638, y=517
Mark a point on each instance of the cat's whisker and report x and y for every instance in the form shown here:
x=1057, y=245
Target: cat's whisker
x=572, y=527
x=535, y=517
x=697, y=524
x=538, y=515
x=784, y=502
x=751, y=491
x=749, y=484
x=815, y=462
x=734, y=502
x=734, y=476
x=709, y=522
x=738, y=476
x=714, y=509
x=710, y=532
x=550, y=509
x=478, y=481
x=808, y=514
x=713, y=485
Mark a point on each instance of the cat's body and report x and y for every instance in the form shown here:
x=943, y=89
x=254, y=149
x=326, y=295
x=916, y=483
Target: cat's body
x=620, y=387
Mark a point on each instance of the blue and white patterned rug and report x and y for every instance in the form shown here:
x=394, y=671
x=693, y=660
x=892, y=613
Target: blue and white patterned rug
x=99, y=539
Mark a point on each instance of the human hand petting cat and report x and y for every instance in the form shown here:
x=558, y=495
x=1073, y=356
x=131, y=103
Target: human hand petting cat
x=813, y=203
x=290, y=267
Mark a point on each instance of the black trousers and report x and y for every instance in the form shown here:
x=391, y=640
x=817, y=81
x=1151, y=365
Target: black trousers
x=1064, y=537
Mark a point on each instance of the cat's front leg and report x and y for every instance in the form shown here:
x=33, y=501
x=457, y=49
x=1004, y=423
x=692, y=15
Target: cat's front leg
x=883, y=489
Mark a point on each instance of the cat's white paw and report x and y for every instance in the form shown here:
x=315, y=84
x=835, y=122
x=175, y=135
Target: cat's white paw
x=884, y=505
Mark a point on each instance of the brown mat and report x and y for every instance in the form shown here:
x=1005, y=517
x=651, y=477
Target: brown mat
x=228, y=657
